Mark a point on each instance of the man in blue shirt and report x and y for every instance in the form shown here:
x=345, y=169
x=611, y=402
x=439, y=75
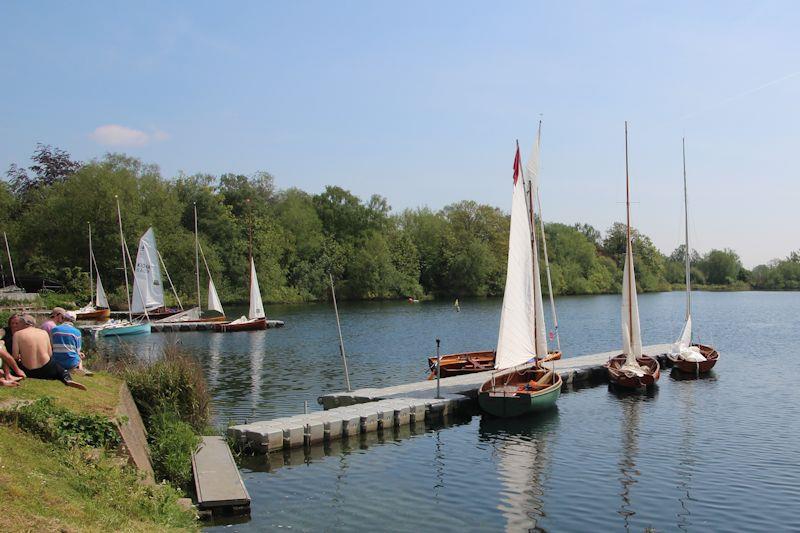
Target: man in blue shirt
x=66, y=341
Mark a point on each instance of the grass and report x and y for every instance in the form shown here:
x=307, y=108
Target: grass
x=101, y=397
x=49, y=488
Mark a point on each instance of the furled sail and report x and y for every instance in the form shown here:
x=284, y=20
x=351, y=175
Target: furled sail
x=256, y=305
x=516, y=343
x=101, y=302
x=213, y=298
x=684, y=349
x=631, y=333
x=148, y=291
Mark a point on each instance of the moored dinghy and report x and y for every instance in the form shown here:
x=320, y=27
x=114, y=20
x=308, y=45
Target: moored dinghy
x=631, y=369
x=98, y=307
x=255, y=319
x=687, y=356
x=522, y=384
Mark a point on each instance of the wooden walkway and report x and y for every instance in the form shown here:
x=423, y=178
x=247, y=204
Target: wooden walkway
x=366, y=410
x=217, y=482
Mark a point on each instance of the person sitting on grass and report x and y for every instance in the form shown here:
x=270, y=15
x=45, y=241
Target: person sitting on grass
x=66, y=341
x=11, y=373
x=56, y=318
x=33, y=352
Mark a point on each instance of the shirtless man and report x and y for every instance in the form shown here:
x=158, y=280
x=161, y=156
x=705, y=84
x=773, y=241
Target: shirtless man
x=33, y=352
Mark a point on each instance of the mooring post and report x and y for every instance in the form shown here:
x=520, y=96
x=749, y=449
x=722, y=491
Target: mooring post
x=438, y=367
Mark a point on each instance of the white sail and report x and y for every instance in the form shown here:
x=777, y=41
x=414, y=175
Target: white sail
x=256, y=305
x=631, y=333
x=516, y=343
x=100, y=298
x=148, y=290
x=538, y=305
x=213, y=298
x=683, y=347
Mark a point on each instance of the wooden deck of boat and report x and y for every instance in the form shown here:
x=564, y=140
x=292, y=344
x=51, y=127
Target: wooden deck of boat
x=217, y=482
x=175, y=327
x=366, y=410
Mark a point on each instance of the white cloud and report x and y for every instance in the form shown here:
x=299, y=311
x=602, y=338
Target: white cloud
x=116, y=135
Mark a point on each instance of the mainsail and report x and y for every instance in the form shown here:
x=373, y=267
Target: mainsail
x=631, y=333
x=148, y=291
x=516, y=343
x=256, y=305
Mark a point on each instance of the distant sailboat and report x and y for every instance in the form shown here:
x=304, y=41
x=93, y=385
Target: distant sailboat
x=685, y=355
x=148, y=286
x=255, y=319
x=98, y=308
x=522, y=384
x=631, y=369
x=7, y=289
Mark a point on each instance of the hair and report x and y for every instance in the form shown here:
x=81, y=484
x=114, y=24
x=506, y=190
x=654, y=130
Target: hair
x=28, y=319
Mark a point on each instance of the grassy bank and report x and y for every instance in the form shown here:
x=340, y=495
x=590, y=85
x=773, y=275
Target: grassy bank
x=53, y=486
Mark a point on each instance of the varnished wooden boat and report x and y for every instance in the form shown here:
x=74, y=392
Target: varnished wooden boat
x=519, y=392
x=97, y=315
x=623, y=379
x=456, y=364
x=242, y=325
x=159, y=313
x=711, y=355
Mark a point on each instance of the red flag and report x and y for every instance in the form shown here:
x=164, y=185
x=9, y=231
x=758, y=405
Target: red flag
x=517, y=169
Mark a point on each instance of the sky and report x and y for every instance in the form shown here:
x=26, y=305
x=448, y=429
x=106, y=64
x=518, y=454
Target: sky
x=422, y=102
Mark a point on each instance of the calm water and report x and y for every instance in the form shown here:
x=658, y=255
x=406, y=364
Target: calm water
x=721, y=453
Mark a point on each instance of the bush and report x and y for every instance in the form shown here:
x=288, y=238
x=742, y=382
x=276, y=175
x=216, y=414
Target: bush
x=63, y=427
x=171, y=445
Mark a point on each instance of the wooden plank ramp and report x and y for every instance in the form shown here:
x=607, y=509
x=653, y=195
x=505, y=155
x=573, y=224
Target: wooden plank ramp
x=348, y=414
x=217, y=482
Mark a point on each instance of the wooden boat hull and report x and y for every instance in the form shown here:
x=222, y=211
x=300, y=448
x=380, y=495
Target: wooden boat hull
x=98, y=315
x=250, y=325
x=158, y=314
x=133, y=329
x=619, y=378
x=505, y=398
x=456, y=364
x=711, y=355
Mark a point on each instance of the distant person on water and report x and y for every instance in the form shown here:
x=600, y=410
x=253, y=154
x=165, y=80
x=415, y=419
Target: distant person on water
x=11, y=374
x=34, y=354
x=66, y=341
x=56, y=318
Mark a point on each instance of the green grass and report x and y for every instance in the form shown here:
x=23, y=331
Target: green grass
x=101, y=398
x=48, y=488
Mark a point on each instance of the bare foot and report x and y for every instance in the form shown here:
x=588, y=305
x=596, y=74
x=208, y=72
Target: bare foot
x=75, y=385
x=8, y=383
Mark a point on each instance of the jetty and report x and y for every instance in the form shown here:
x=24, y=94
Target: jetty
x=170, y=327
x=217, y=482
x=348, y=414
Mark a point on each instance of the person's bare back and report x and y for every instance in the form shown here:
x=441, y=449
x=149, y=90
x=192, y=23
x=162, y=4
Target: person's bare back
x=32, y=346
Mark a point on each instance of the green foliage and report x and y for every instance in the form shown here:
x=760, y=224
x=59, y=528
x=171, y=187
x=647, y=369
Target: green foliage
x=63, y=427
x=783, y=274
x=721, y=267
x=172, y=443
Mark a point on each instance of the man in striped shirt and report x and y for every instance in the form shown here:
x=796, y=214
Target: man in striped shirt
x=66, y=341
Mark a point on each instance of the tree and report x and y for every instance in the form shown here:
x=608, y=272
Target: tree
x=721, y=267
x=50, y=166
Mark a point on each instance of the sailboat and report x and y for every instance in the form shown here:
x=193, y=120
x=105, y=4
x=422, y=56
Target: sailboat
x=522, y=384
x=148, y=287
x=255, y=319
x=631, y=369
x=469, y=362
x=685, y=355
x=98, y=308
x=8, y=290
x=131, y=326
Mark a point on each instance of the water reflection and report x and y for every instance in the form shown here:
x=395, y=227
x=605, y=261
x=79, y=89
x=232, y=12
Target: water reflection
x=214, y=347
x=686, y=453
x=256, y=351
x=519, y=446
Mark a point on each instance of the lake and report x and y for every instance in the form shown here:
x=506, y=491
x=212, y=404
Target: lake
x=720, y=453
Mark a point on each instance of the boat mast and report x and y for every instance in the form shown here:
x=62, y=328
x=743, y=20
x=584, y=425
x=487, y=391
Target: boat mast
x=250, y=243
x=91, y=267
x=197, y=259
x=628, y=251
x=544, y=249
x=686, y=228
x=534, y=247
x=172, y=285
x=124, y=266
x=10, y=262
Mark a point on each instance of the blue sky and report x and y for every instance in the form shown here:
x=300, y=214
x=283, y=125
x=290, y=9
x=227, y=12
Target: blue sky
x=421, y=101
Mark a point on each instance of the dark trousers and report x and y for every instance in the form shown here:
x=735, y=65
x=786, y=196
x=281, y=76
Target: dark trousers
x=50, y=370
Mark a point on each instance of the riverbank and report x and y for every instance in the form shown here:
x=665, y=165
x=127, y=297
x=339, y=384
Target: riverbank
x=46, y=484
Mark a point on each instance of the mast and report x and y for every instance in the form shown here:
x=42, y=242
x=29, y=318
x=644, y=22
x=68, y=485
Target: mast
x=124, y=266
x=172, y=285
x=544, y=248
x=197, y=259
x=686, y=228
x=250, y=241
x=628, y=251
x=10, y=262
x=91, y=266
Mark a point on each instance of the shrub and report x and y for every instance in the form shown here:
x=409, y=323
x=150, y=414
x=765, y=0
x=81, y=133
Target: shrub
x=171, y=445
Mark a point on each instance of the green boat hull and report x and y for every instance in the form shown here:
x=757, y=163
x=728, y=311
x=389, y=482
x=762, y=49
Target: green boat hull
x=518, y=405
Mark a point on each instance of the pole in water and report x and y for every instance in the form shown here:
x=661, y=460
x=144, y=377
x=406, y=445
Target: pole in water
x=438, y=367
x=305, y=407
x=341, y=340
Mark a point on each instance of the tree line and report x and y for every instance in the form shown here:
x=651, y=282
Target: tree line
x=298, y=238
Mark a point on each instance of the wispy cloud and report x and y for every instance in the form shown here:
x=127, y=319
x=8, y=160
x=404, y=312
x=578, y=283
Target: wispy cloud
x=116, y=135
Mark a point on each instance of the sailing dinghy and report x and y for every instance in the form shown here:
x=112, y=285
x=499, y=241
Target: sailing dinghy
x=98, y=307
x=522, y=384
x=687, y=356
x=148, y=287
x=631, y=369
x=255, y=319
